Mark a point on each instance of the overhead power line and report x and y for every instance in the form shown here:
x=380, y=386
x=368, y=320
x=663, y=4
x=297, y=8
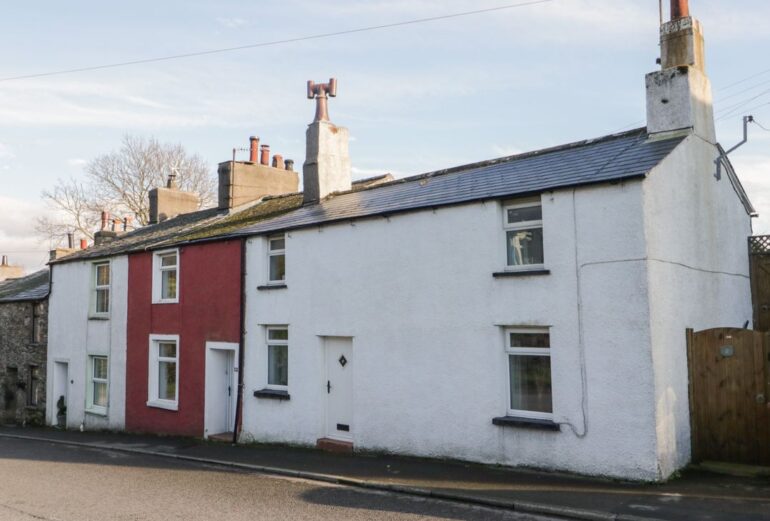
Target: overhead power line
x=276, y=42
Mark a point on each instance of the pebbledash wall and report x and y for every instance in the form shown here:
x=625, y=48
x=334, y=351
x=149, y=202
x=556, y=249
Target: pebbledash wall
x=74, y=334
x=208, y=310
x=631, y=266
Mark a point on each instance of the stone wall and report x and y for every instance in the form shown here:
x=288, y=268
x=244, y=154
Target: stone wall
x=23, y=340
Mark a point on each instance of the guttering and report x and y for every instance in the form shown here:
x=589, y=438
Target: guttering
x=241, y=356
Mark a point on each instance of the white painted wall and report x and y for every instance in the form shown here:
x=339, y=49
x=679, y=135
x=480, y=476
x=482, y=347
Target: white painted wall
x=417, y=295
x=72, y=336
x=698, y=269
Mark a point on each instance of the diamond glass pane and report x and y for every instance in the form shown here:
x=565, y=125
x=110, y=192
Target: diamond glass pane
x=525, y=247
x=530, y=383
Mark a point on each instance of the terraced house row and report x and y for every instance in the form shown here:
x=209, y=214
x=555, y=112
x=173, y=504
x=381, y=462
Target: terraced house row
x=525, y=310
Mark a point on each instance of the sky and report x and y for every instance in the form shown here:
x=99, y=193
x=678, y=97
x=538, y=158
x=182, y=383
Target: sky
x=416, y=98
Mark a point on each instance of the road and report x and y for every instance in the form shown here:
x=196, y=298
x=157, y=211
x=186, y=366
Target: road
x=45, y=481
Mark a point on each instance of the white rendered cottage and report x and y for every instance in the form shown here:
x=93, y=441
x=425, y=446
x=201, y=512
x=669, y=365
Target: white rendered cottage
x=529, y=310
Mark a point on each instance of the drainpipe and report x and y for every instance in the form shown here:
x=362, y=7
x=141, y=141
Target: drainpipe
x=239, y=397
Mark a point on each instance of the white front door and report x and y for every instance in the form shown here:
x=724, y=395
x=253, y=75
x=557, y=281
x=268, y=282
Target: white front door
x=221, y=367
x=339, y=388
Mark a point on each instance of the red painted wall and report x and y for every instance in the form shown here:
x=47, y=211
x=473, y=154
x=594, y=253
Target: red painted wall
x=208, y=310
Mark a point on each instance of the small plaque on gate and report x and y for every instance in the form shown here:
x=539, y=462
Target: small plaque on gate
x=727, y=351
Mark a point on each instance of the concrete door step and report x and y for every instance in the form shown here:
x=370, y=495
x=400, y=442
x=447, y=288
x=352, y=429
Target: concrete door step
x=734, y=469
x=226, y=437
x=331, y=445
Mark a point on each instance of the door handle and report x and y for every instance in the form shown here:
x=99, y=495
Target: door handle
x=328, y=387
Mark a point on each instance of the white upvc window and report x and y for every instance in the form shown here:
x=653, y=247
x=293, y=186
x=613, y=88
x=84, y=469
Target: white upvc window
x=276, y=259
x=97, y=392
x=163, y=380
x=165, y=287
x=529, y=373
x=278, y=357
x=100, y=289
x=523, y=225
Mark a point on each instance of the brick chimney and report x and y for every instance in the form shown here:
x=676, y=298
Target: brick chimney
x=169, y=201
x=327, y=160
x=8, y=271
x=104, y=235
x=679, y=95
x=241, y=182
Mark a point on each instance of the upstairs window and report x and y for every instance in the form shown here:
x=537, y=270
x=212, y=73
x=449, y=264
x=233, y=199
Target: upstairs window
x=101, y=289
x=276, y=259
x=523, y=224
x=277, y=358
x=529, y=372
x=166, y=277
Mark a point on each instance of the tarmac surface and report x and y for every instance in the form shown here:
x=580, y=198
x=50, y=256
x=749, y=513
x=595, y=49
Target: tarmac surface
x=693, y=495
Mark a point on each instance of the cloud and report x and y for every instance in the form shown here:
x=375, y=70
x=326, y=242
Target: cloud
x=6, y=152
x=232, y=23
x=77, y=162
x=753, y=174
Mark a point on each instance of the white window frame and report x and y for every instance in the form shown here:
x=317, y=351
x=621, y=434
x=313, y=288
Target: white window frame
x=157, y=276
x=274, y=253
x=152, y=375
x=526, y=351
x=522, y=225
x=91, y=407
x=269, y=342
x=95, y=288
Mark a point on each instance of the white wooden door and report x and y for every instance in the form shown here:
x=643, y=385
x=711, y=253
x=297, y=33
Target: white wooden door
x=220, y=389
x=339, y=388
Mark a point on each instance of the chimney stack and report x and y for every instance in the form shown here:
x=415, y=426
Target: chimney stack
x=169, y=201
x=8, y=271
x=327, y=161
x=242, y=182
x=71, y=240
x=679, y=95
x=253, y=149
x=83, y=244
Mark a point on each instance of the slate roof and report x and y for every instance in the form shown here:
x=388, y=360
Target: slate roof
x=32, y=287
x=608, y=159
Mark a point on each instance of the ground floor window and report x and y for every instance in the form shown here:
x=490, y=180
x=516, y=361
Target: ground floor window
x=97, y=396
x=277, y=358
x=529, y=372
x=163, y=381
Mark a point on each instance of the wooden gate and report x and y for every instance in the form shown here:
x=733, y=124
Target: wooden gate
x=729, y=387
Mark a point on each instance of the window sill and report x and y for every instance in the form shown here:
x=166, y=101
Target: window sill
x=159, y=404
x=531, y=423
x=98, y=317
x=272, y=286
x=168, y=301
x=521, y=273
x=272, y=394
x=97, y=412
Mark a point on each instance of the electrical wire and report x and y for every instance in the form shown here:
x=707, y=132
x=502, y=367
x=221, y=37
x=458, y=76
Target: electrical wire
x=760, y=125
x=276, y=42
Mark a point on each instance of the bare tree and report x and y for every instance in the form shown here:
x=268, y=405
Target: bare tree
x=120, y=181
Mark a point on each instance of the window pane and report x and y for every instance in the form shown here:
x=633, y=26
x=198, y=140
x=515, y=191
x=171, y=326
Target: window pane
x=168, y=284
x=529, y=340
x=531, y=213
x=102, y=301
x=100, y=367
x=278, y=334
x=168, y=260
x=167, y=380
x=100, y=394
x=278, y=365
x=277, y=267
x=277, y=244
x=102, y=274
x=530, y=383
x=167, y=349
x=525, y=247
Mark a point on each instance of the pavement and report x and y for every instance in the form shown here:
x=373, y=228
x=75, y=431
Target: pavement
x=695, y=494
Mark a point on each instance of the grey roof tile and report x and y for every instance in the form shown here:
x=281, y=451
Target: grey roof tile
x=31, y=287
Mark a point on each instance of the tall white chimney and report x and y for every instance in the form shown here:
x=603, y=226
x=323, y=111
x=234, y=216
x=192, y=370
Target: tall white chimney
x=679, y=95
x=327, y=160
